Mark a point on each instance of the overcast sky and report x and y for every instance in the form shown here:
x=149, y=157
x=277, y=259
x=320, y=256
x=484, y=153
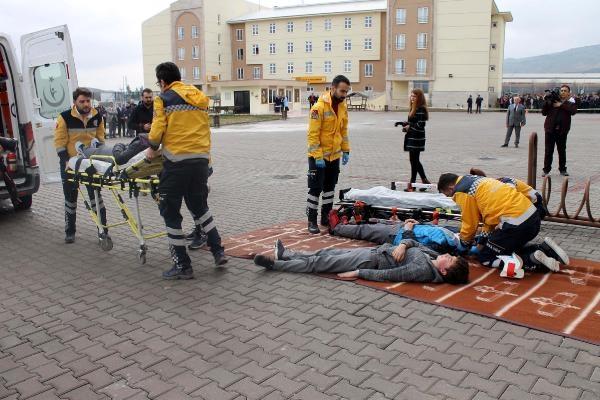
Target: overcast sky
x=107, y=43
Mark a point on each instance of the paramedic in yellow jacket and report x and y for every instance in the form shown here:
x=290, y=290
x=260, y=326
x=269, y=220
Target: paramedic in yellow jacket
x=509, y=219
x=82, y=123
x=327, y=143
x=181, y=126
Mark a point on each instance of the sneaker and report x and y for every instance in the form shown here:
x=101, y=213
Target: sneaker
x=516, y=145
x=513, y=266
x=279, y=249
x=191, y=235
x=264, y=261
x=313, y=227
x=550, y=248
x=220, y=258
x=504, y=145
x=546, y=261
x=179, y=272
x=198, y=241
x=334, y=219
x=564, y=173
x=70, y=238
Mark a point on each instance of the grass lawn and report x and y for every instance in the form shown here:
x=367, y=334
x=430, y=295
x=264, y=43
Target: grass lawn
x=230, y=119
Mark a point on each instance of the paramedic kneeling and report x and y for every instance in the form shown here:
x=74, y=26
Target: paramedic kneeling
x=181, y=126
x=82, y=123
x=509, y=219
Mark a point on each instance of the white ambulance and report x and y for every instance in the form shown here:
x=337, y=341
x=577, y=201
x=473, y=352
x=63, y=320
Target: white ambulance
x=31, y=97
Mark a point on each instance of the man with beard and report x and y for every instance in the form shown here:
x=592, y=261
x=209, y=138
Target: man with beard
x=327, y=143
x=82, y=123
x=141, y=116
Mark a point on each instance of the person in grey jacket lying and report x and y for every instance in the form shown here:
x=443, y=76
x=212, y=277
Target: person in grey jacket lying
x=409, y=261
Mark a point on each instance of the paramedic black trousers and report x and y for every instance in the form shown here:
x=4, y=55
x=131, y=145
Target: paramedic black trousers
x=186, y=181
x=70, y=192
x=321, y=180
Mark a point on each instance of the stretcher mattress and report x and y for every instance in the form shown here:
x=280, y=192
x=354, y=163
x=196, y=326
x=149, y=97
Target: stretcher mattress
x=101, y=166
x=384, y=197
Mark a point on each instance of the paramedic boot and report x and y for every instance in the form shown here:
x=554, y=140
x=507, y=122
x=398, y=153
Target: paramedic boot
x=182, y=265
x=312, y=221
x=325, y=209
x=198, y=240
x=69, y=227
x=8, y=144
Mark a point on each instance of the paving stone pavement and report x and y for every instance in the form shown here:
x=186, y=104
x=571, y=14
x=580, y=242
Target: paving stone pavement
x=79, y=323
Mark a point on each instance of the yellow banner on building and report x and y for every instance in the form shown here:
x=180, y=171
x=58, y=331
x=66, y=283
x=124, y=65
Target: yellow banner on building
x=311, y=79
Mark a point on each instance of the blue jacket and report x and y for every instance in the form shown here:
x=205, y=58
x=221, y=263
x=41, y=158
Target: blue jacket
x=429, y=235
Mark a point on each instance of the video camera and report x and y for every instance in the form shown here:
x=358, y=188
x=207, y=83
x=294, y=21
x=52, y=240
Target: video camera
x=552, y=95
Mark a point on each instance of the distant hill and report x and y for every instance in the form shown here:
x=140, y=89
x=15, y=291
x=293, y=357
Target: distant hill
x=577, y=60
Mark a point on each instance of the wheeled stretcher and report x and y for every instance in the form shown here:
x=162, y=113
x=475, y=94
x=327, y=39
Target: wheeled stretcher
x=380, y=203
x=139, y=178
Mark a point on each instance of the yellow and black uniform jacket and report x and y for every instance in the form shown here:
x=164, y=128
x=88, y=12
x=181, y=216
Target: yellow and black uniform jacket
x=491, y=202
x=72, y=127
x=181, y=123
x=328, y=132
x=521, y=187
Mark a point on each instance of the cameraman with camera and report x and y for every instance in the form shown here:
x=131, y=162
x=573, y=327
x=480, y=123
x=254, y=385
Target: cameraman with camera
x=558, y=108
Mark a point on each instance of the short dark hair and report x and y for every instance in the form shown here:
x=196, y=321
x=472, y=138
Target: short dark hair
x=146, y=90
x=458, y=273
x=446, y=180
x=81, y=91
x=476, y=171
x=565, y=85
x=168, y=72
x=338, y=79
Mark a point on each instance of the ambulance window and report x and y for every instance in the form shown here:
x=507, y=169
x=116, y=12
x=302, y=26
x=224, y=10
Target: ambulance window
x=52, y=89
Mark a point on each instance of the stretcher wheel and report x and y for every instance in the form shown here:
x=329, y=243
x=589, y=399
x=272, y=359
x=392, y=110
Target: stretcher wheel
x=106, y=243
x=142, y=255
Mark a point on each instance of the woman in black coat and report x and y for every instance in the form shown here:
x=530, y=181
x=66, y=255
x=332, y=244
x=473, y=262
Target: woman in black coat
x=414, y=139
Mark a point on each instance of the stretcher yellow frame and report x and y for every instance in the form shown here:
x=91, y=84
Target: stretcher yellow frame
x=111, y=182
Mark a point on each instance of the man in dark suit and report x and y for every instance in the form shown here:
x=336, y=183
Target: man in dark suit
x=556, y=126
x=478, y=102
x=470, y=104
x=515, y=119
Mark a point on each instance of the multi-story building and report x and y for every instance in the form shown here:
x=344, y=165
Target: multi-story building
x=448, y=48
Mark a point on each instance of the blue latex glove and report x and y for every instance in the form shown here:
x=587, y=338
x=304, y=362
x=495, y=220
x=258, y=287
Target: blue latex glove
x=345, y=158
x=320, y=163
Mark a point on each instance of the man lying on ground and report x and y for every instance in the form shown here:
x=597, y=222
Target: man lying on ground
x=409, y=261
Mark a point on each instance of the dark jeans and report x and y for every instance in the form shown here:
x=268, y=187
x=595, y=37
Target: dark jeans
x=415, y=166
x=321, y=180
x=122, y=127
x=186, y=180
x=560, y=141
x=509, y=239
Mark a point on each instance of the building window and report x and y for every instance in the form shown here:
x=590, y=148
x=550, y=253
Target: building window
x=400, y=66
x=195, y=51
x=239, y=35
x=368, y=44
x=400, y=16
x=368, y=70
x=368, y=88
x=347, y=44
x=182, y=72
x=240, y=73
x=423, y=85
x=290, y=26
x=272, y=95
x=491, y=89
x=255, y=49
x=219, y=59
x=271, y=48
x=272, y=68
x=494, y=24
x=328, y=24
x=290, y=67
x=219, y=39
x=181, y=53
x=347, y=23
x=308, y=46
x=254, y=30
x=423, y=15
x=308, y=25
x=421, y=41
x=180, y=33
x=493, y=46
x=327, y=45
x=218, y=19
x=256, y=72
x=194, y=32
x=308, y=67
x=271, y=28
x=492, y=67
x=347, y=66
x=401, y=41
x=240, y=54
x=327, y=67
x=290, y=47
x=196, y=72
x=421, y=66
x=368, y=21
